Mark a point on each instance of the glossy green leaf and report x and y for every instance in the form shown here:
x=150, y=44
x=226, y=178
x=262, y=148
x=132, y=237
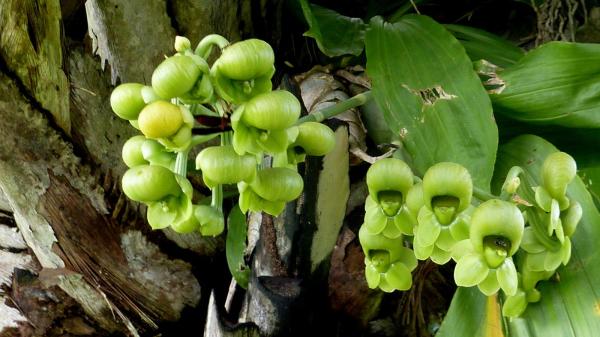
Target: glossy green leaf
x=481, y=45
x=568, y=307
x=235, y=246
x=334, y=33
x=556, y=83
x=430, y=95
x=471, y=314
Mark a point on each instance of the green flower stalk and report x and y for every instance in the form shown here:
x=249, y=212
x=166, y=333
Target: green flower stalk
x=261, y=124
x=444, y=219
x=485, y=259
x=170, y=124
x=271, y=189
x=388, y=264
x=244, y=70
x=389, y=181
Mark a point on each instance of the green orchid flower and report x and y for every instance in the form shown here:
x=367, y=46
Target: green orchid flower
x=444, y=219
x=388, y=264
x=126, y=100
x=169, y=124
x=389, y=181
x=485, y=259
x=222, y=165
x=183, y=76
x=211, y=220
x=243, y=70
x=558, y=170
x=261, y=124
x=270, y=190
x=308, y=138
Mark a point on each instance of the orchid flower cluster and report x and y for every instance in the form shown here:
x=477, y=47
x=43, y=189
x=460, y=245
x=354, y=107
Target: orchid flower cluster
x=236, y=91
x=499, y=243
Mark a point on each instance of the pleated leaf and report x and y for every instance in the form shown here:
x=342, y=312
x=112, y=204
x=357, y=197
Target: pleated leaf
x=430, y=96
x=481, y=45
x=556, y=83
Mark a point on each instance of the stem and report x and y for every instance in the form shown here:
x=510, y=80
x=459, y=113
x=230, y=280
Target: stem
x=204, y=48
x=483, y=195
x=336, y=109
x=199, y=139
x=217, y=191
x=181, y=162
x=220, y=108
x=199, y=109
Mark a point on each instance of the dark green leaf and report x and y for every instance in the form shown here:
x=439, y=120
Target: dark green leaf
x=334, y=33
x=583, y=147
x=236, y=245
x=407, y=6
x=430, y=95
x=480, y=44
x=556, y=83
x=569, y=307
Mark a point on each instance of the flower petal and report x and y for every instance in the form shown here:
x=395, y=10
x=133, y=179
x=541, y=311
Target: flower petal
x=543, y=198
x=460, y=227
x=445, y=240
x=461, y=249
x=375, y=221
x=566, y=251
x=399, y=277
x=428, y=229
x=515, y=305
x=440, y=256
x=372, y=275
x=407, y=257
x=552, y=260
x=470, y=270
x=530, y=243
x=507, y=277
x=422, y=252
x=390, y=230
x=404, y=221
x=490, y=285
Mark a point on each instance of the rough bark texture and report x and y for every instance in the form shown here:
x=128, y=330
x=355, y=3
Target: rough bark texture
x=30, y=46
x=63, y=217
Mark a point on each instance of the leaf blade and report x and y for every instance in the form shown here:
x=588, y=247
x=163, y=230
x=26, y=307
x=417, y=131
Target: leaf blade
x=439, y=108
x=235, y=246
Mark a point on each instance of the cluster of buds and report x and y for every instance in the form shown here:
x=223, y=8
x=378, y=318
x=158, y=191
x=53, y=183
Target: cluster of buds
x=236, y=88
